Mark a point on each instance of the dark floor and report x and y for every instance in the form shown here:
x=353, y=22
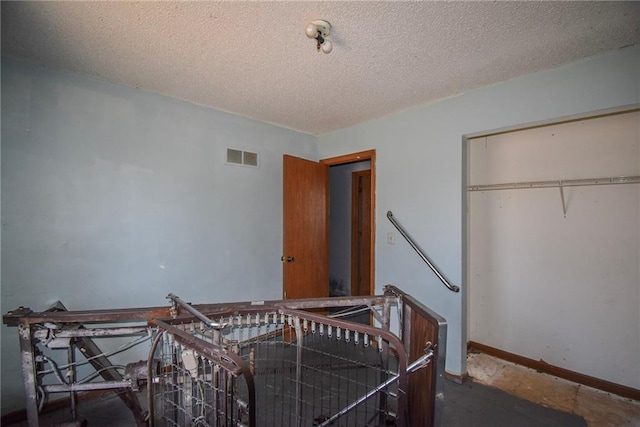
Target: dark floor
x=106, y=411
x=470, y=404
x=473, y=404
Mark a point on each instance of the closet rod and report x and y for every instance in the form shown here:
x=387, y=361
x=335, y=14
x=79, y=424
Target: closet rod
x=557, y=183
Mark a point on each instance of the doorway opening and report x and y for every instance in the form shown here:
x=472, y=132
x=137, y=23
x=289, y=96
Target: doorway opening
x=351, y=218
x=306, y=233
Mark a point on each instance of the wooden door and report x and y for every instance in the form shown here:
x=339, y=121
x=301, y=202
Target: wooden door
x=305, y=245
x=361, y=233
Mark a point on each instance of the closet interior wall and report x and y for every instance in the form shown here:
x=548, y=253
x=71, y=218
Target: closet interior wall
x=564, y=289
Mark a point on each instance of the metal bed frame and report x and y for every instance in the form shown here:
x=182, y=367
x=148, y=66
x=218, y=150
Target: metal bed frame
x=285, y=362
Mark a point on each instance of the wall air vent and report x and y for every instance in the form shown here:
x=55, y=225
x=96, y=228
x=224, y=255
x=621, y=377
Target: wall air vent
x=239, y=157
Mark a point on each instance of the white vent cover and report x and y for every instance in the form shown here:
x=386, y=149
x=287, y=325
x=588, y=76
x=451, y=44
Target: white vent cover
x=239, y=157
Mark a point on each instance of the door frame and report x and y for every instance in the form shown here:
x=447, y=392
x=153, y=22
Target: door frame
x=357, y=157
x=356, y=212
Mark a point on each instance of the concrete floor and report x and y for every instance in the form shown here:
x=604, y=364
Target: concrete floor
x=598, y=408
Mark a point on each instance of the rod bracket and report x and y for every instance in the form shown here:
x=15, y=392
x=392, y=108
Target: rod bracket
x=564, y=204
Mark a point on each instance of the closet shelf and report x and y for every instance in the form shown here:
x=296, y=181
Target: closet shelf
x=557, y=183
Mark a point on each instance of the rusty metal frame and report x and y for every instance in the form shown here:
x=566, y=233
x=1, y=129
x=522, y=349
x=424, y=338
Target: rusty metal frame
x=82, y=327
x=33, y=333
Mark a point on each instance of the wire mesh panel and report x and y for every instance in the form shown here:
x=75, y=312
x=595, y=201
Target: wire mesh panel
x=306, y=370
x=313, y=368
x=197, y=383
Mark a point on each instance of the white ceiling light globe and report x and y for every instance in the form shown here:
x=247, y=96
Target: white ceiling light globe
x=311, y=31
x=327, y=46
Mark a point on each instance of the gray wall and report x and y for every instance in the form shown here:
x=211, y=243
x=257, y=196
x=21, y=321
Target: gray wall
x=113, y=197
x=421, y=169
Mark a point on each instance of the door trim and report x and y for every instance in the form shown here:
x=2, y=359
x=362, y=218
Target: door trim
x=352, y=158
x=356, y=258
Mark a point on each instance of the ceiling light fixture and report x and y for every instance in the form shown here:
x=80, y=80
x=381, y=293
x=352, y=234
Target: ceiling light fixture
x=319, y=29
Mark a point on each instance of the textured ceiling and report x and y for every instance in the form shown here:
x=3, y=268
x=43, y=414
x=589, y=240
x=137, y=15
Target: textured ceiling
x=253, y=59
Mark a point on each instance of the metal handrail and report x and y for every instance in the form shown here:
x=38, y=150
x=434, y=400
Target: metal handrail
x=424, y=257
